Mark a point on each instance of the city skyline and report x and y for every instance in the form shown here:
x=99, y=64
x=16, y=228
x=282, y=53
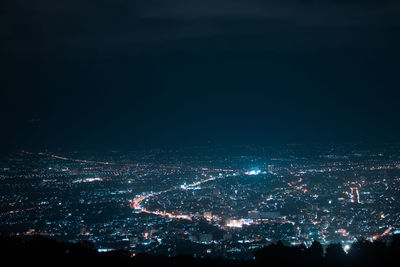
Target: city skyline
x=227, y=201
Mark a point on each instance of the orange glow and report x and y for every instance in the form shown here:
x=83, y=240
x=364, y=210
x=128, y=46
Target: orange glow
x=136, y=203
x=387, y=231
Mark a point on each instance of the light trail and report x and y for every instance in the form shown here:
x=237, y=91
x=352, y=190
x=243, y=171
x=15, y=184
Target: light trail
x=96, y=162
x=76, y=160
x=355, y=195
x=387, y=231
x=136, y=203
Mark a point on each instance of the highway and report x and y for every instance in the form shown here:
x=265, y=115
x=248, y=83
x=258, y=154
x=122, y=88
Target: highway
x=136, y=203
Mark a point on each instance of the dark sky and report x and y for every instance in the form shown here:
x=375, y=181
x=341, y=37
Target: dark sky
x=125, y=73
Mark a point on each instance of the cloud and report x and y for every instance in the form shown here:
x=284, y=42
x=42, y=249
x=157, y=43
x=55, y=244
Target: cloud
x=50, y=27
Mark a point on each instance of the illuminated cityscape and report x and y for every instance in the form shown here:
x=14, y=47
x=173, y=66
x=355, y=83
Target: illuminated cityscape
x=200, y=133
x=201, y=201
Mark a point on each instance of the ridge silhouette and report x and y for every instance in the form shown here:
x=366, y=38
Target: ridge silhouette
x=44, y=251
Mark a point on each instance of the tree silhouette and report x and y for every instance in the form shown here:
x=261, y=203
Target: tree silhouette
x=42, y=251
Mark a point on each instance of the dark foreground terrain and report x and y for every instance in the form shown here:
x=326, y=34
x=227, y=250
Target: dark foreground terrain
x=43, y=251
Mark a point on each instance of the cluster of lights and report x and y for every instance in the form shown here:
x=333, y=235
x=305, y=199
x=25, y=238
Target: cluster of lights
x=234, y=224
x=253, y=172
x=88, y=180
x=239, y=223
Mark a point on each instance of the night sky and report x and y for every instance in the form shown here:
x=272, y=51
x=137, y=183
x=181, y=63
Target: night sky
x=114, y=74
